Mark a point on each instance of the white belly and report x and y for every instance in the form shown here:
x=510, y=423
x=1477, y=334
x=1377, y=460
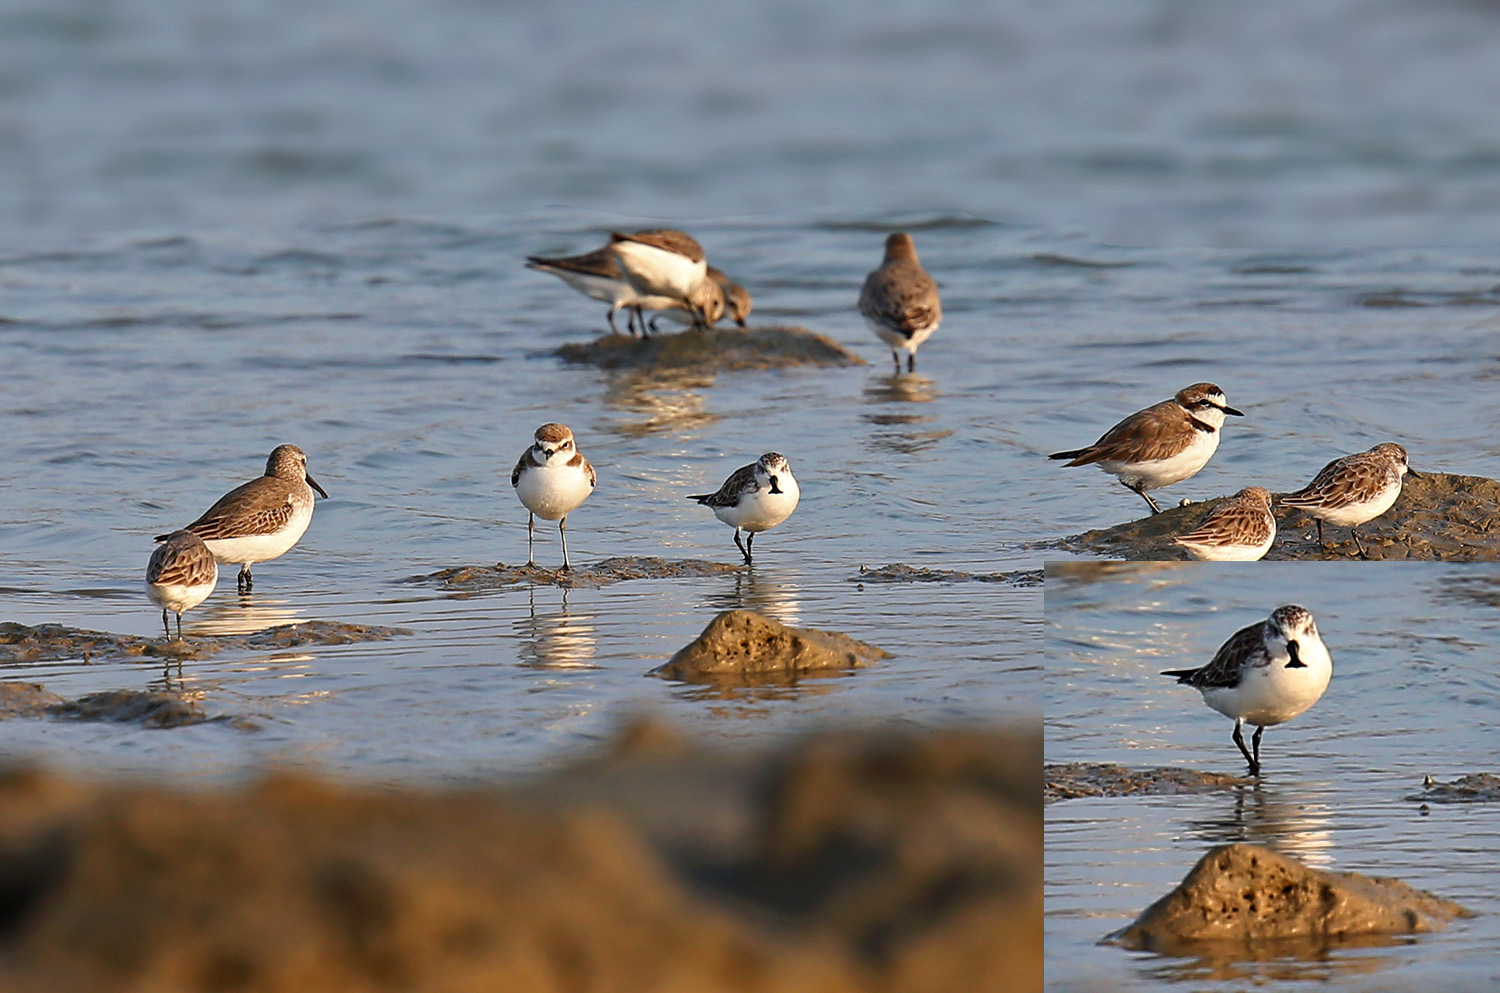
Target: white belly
x=897, y=340
x=763, y=510
x=178, y=598
x=261, y=547
x=1275, y=694
x=601, y=288
x=1164, y=472
x=1355, y=514
x=656, y=272
x=1229, y=553
x=553, y=492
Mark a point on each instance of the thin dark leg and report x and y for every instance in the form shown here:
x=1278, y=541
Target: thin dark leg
x=1239, y=740
x=896, y=358
x=1320, y=532
x=164, y=622
x=562, y=530
x=654, y=328
x=749, y=545
x=640, y=316
x=1355, y=535
x=741, y=546
x=244, y=582
x=1144, y=496
x=530, y=539
x=179, y=626
x=610, y=316
x=1255, y=744
x=911, y=362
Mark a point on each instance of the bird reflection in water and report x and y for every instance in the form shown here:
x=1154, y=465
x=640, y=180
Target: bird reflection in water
x=1281, y=818
x=227, y=615
x=762, y=592
x=889, y=398
x=556, y=639
x=659, y=401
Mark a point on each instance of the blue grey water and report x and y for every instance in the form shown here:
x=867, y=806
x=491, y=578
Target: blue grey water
x=1413, y=694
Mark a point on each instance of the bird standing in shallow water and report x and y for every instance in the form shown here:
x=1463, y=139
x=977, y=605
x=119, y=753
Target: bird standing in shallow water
x=182, y=573
x=754, y=498
x=899, y=301
x=552, y=479
x=262, y=519
x=1264, y=674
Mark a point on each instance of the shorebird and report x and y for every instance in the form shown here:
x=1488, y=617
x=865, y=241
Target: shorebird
x=735, y=302
x=754, y=498
x=181, y=575
x=1264, y=674
x=262, y=519
x=899, y=301
x=664, y=262
x=596, y=275
x=552, y=479
x=1161, y=445
x=1240, y=529
x=1352, y=490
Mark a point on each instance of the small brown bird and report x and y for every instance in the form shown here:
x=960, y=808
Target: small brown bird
x=181, y=575
x=900, y=302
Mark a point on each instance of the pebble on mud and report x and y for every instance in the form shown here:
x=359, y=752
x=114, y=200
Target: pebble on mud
x=746, y=648
x=1438, y=516
x=713, y=350
x=1246, y=893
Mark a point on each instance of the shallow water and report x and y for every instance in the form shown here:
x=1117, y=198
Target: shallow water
x=1412, y=694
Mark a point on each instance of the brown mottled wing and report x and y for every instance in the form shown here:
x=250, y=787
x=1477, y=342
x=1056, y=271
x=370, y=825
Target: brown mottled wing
x=588, y=467
x=1230, y=523
x=1224, y=668
x=902, y=297
x=179, y=564
x=599, y=263
x=526, y=461
x=668, y=239
x=261, y=506
x=1144, y=436
x=1351, y=479
x=728, y=495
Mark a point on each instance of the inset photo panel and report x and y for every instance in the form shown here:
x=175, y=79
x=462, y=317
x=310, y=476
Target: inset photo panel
x=1269, y=773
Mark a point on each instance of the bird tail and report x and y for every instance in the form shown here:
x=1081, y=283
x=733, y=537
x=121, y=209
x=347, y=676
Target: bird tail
x=161, y=537
x=1183, y=675
x=702, y=499
x=1068, y=455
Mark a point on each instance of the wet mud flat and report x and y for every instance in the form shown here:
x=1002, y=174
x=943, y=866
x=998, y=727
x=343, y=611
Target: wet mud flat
x=848, y=861
x=899, y=572
x=147, y=708
x=1438, y=516
x=1072, y=780
x=479, y=578
x=712, y=350
x=21, y=643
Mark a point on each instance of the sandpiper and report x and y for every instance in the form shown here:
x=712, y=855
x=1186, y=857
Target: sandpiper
x=1161, y=445
x=899, y=301
x=1264, y=674
x=552, y=479
x=262, y=519
x=754, y=498
x=1352, y=490
x=596, y=275
x=1240, y=529
x=735, y=302
x=181, y=575
x=664, y=262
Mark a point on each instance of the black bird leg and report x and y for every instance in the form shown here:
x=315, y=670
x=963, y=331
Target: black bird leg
x=741, y=545
x=1144, y=496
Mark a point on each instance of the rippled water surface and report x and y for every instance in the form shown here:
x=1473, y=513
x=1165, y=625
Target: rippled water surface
x=1413, y=693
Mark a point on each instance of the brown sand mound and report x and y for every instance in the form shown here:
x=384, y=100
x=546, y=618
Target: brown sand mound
x=46, y=642
x=743, y=648
x=1070, y=780
x=1247, y=893
x=850, y=863
x=713, y=350
x=478, y=578
x=1437, y=516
